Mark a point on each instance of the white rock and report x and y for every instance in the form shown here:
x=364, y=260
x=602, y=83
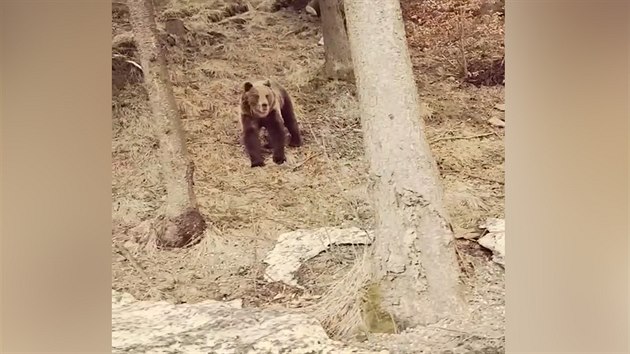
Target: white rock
x=310, y=10
x=293, y=248
x=494, y=240
x=493, y=225
x=496, y=122
x=214, y=327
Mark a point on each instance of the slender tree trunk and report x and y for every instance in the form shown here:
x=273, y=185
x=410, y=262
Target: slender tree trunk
x=415, y=261
x=336, y=47
x=183, y=224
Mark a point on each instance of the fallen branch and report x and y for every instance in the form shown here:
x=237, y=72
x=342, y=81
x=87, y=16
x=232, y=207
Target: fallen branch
x=241, y=16
x=484, y=178
x=125, y=253
x=477, y=177
x=462, y=137
x=477, y=335
x=305, y=161
x=462, y=50
x=295, y=31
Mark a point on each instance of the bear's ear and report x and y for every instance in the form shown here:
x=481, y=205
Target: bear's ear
x=247, y=86
x=267, y=83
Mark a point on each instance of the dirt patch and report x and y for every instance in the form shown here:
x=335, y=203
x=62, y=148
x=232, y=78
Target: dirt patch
x=458, y=39
x=214, y=47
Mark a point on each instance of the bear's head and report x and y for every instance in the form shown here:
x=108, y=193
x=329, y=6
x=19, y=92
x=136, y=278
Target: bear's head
x=259, y=97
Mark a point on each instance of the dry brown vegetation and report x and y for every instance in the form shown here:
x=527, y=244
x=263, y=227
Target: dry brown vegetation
x=212, y=48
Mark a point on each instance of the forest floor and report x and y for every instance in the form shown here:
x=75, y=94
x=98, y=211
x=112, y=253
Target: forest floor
x=323, y=183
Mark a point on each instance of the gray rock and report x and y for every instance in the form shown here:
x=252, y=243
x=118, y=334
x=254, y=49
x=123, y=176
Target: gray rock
x=214, y=327
x=494, y=240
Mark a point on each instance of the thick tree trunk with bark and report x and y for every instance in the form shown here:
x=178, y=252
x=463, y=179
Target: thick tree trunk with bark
x=415, y=260
x=182, y=223
x=336, y=47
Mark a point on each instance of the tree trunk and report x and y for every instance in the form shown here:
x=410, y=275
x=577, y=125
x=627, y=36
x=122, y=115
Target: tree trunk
x=182, y=223
x=415, y=260
x=336, y=47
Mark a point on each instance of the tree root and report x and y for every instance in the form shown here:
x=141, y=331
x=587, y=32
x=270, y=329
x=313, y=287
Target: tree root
x=185, y=230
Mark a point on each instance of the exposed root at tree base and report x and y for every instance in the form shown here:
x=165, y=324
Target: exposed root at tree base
x=338, y=72
x=184, y=231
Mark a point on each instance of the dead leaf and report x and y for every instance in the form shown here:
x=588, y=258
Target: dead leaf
x=500, y=107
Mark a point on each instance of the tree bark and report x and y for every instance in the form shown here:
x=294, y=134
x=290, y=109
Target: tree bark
x=336, y=47
x=183, y=224
x=415, y=261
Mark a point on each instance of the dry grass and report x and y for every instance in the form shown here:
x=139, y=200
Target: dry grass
x=298, y=194
x=136, y=182
x=340, y=309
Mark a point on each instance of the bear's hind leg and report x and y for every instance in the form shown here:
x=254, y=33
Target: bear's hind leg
x=288, y=114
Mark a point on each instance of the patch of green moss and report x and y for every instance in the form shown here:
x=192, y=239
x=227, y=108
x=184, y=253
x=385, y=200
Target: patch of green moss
x=375, y=318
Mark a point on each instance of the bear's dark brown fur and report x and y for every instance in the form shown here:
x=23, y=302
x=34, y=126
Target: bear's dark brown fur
x=267, y=104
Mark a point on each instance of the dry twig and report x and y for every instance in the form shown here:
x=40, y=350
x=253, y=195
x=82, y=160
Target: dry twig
x=125, y=253
x=461, y=137
x=305, y=161
x=462, y=50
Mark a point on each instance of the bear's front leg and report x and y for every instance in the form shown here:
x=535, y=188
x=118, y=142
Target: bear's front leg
x=265, y=142
x=252, y=145
x=275, y=128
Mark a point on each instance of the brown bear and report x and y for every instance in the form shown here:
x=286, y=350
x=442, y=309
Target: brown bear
x=267, y=104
